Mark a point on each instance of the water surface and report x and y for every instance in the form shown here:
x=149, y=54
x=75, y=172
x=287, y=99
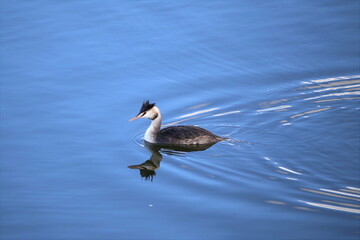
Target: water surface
x=280, y=79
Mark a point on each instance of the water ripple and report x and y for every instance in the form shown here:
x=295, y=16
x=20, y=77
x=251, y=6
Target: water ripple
x=251, y=126
x=336, y=203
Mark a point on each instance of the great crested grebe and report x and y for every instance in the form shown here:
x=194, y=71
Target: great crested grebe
x=174, y=135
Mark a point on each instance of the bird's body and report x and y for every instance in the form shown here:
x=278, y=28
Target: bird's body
x=186, y=135
x=174, y=135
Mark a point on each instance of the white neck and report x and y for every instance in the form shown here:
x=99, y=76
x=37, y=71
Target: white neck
x=154, y=128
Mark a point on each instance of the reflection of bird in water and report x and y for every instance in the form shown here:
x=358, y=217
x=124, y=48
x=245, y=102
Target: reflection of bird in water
x=183, y=135
x=147, y=169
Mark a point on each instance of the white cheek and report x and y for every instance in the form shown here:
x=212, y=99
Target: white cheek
x=147, y=115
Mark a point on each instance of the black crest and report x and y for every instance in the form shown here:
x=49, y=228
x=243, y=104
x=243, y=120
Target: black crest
x=146, y=106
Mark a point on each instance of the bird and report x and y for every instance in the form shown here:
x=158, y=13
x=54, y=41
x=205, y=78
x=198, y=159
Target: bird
x=173, y=135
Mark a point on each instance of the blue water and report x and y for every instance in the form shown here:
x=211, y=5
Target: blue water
x=280, y=79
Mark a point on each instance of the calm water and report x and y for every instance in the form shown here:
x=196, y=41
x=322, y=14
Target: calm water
x=280, y=79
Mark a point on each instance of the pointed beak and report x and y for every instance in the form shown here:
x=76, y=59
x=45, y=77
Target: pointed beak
x=134, y=118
